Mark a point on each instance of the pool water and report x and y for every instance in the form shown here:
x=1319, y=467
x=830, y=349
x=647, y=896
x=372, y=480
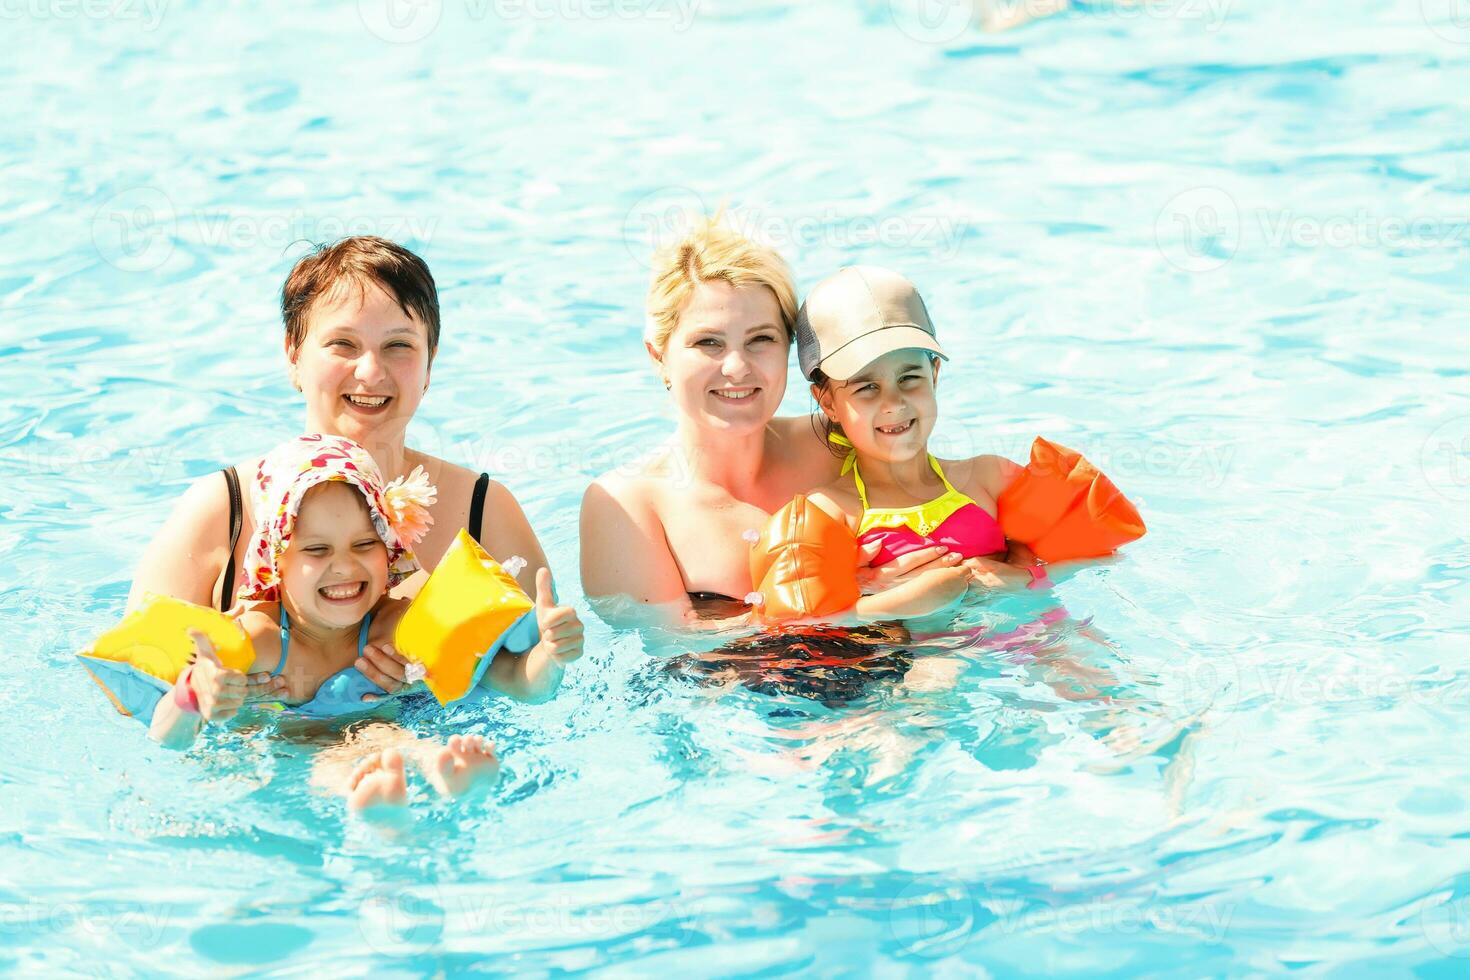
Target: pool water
x=1220, y=247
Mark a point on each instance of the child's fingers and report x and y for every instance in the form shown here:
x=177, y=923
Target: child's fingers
x=564, y=631
x=385, y=652
x=543, y=589
x=203, y=648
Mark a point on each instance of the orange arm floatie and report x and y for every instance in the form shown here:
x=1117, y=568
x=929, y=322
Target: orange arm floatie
x=1061, y=507
x=804, y=564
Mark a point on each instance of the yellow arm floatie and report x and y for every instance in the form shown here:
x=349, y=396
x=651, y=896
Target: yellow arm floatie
x=139, y=659
x=468, y=609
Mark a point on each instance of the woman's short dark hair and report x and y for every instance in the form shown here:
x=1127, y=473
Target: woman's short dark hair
x=358, y=261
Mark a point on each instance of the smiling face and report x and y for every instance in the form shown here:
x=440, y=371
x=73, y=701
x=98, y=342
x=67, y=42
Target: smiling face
x=336, y=567
x=888, y=409
x=363, y=365
x=725, y=362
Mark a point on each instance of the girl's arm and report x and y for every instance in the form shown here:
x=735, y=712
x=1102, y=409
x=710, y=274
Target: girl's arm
x=212, y=692
x=536, y=675
x=922, y=595
x=941, y=582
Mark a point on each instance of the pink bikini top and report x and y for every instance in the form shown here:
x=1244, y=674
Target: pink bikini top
x=952, y=519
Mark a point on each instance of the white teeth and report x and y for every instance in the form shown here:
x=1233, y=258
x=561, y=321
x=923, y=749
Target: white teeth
x=364, y=401
x=734, y=395
x=895, y=429
x=342, y=591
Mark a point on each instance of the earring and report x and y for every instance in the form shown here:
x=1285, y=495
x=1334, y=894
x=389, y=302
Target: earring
x=668, y=385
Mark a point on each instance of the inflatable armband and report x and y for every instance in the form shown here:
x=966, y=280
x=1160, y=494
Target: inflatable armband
x=466, y=612
x=137, y=661
x=1061, y=507
x=804, y=564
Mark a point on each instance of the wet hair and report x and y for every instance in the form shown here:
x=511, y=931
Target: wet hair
x=357, y=262
x=833, y=665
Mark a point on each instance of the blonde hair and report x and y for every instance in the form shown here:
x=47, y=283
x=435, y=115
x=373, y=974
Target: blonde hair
x=711, y=252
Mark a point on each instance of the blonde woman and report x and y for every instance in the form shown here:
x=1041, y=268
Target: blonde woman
x=666, y=535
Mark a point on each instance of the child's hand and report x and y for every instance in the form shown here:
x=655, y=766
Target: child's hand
x=261, y=686
x=987, y=573
x=384, y=666
x=904, y=568
x=219, y=690
x=561, y=630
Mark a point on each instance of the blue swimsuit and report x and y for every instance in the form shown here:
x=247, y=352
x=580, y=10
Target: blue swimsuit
x=339, y=694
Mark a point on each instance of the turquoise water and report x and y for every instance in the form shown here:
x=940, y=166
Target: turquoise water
x=1220, y=247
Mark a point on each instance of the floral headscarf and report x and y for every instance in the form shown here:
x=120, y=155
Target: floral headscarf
x=399, y=510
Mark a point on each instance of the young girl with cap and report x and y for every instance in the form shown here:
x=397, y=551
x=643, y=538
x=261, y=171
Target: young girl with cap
x=867, y=344
x=331, y=539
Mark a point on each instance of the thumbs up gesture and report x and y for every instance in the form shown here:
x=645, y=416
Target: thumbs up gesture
x=561, y=630
x=219, y=690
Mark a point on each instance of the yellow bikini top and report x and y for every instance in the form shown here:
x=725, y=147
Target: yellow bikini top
x=922, y=519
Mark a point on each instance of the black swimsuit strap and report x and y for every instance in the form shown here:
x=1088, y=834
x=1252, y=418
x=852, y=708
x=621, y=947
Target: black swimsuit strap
x=477, y=508
x=227, y=591
x=713, y=597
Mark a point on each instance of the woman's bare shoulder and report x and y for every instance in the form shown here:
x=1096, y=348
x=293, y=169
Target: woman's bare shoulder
x=638, y=479
x=446, y=476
